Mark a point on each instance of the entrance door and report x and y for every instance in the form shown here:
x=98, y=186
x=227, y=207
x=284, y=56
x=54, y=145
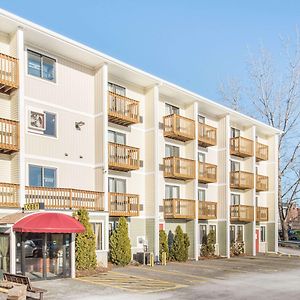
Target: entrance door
x=257, y=240
x=43, y=256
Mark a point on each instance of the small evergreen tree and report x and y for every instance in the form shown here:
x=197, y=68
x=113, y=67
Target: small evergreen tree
x=187, y=244
x=179, y=250
x=119, y=244
x=163, y=244
x=85, y=243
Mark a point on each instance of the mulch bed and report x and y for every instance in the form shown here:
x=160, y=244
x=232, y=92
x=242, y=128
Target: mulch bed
x=92, y=272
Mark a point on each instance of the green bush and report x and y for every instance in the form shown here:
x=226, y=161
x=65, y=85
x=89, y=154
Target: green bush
x=237, y=248
x=208, y=244
x=119, y=244
x=180, y=246
x=163, y=244
x=85, y=243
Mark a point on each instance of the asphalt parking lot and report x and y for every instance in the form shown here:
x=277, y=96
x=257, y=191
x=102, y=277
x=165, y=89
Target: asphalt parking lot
x=273, y=276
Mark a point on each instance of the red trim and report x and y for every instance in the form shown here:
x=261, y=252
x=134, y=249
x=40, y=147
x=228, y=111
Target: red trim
x=49, y=223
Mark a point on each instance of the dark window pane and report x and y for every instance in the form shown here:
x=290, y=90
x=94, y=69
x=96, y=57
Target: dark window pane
x=49, y=177
x=50, y=124
x=35, y=176
x=48, y=68
x=34, y=64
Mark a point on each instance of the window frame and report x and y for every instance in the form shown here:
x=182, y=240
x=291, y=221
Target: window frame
x=115, y=133
x=172, y=107
x=233, y=197
x=262, y=234
x=114, y=85
x=173, y=187
x=235, y=132
x=201, y=190
x=43, y=174
x=201, y=225
x=102, y=234
x=172, y=150
x=115, y=179
x=41, y=54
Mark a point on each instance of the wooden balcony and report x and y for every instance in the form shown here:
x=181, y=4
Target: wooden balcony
x=122, y=110
x=179, y=128
x=262, y=152
x=179, y=168
x=262, y=214
x=64, y=198
x=123, y=158
x=207, y=173
x=123, y=205
x=262, y=183
x=241, y=147
x=179, y=209
x=207, y=135
x=9, y=74
x=241, y=213
x=207, y=210
x=9, y=195
x=9, y=136
x=241, y=180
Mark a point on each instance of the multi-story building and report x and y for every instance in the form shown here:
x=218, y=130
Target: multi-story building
x=79, y=129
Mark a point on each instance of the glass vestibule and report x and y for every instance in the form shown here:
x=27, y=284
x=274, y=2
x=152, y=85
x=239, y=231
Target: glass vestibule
x=43, y=255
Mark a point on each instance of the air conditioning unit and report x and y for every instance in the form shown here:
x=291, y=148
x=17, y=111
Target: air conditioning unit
x=37, y=120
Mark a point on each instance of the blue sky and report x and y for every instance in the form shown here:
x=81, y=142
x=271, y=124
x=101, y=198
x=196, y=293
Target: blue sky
x=195, y=44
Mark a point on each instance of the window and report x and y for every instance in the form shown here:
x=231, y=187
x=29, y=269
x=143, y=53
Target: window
x=112, y=226
x=213, y=229
x=117, y=89
x=201, y=119
x=41, y=66
x=171, y=109
x=240, y=233
x=97, y=227
x=42, y=176
x=201, y=157
x=235, y=199
x=256, y=201
x=234, y=166
x=203, y=234
x=116, y=185
x=42, y=123
x=50, y=124
x=171, y=151
x=262, y=234
x=232, y=234
x=116, y=137
x=172, y=192
x=235, y=132
x=201, y=195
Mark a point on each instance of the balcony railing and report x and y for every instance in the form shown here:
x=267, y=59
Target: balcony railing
x=9, y=74
x=262, y=183
x=241, y=180
x=207, y=210
x=207, y=173
x=262, y=152
x=179, y=168
x=207, y=135
x=126, y=205
x=9, y=136
x=122, y=110
x=9, y=195
x=241, y=213
x=179, y=128
x=123, y=158
x=262, y=214
x=179, y=209
x=241, y=147
x=64, y=198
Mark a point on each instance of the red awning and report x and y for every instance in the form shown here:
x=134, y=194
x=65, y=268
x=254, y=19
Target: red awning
x=49, y=223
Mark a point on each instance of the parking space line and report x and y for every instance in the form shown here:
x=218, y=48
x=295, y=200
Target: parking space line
x=179, y=274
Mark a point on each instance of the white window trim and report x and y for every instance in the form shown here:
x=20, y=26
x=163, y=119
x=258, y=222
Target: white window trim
x=33, y=49
x=102, y=237
x=173, y=184
x=265, y=234
x=43, y=166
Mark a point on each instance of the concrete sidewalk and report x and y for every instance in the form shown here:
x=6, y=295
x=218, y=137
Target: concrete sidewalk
x=289, y=251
